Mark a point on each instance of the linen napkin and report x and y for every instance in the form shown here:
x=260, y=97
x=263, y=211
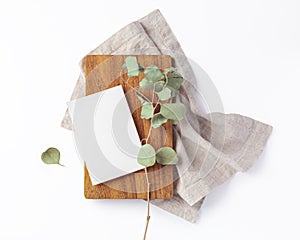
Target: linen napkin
x=211, y=147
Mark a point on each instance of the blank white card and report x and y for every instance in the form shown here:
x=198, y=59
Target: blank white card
x=105, y=134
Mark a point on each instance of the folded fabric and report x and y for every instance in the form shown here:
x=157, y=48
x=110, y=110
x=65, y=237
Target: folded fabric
x=211, y=147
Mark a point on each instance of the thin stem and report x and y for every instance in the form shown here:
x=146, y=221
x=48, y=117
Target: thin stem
x=167, y=80
x=61, y=165
x=148, y=203
x=149, y=133
x=153, y=92
x=150, y=130
x=156, y=104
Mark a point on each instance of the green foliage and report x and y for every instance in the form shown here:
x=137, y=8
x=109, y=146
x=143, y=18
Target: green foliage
x=158, y=120
x=175, y=80
x=146, y=155
x=165, y=94
x=165, y=85
x=51, y=156
x=166, y=156
x=147, y=111
x=146, y=84
x=153, y=74
x=159, y=86
x=132, y=66
x=173, y=111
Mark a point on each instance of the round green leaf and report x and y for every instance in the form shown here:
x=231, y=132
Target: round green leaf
x=153, y=74
x=174, y=92
x=146, y=155
x=173, y=111
x=165, y=94
x=51, y=156
x=175, y=80
x=132, y=65
x=158, y=120
x=166, y=156
x=146, y=84
x=159, y=86
x=147, y=111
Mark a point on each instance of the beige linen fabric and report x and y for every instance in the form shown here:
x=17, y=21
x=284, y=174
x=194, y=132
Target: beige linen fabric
x=211, y=147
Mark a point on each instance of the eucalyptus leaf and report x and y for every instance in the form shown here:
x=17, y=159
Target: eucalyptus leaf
x=158, y=120
x=175, y=80
x=132, y=66
x=153, y=74
x=174, y=92
x=146, y=84
x=146, y=155
x=166, y=156
x=147, y=111
x=51, y=156
x=173, y=111
x=159, y=86
x=165, y=94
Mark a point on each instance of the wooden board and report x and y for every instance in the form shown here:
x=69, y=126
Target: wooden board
x=103, y=72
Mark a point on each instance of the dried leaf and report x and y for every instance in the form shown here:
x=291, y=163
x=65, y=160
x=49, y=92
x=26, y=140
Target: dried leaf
x=51, y=156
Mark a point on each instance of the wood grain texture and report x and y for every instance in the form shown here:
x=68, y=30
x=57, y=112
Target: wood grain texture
x=103, y=72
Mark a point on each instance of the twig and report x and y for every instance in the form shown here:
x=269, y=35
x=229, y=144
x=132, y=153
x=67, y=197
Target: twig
x=149, y=133
x=148, y=203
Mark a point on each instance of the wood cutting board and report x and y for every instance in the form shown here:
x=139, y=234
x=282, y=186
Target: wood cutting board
x=103, y=72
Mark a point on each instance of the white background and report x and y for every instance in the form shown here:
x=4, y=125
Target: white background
x=250, y=49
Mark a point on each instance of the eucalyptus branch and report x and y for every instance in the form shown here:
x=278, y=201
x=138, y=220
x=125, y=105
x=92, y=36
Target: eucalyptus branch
x=164, y=86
